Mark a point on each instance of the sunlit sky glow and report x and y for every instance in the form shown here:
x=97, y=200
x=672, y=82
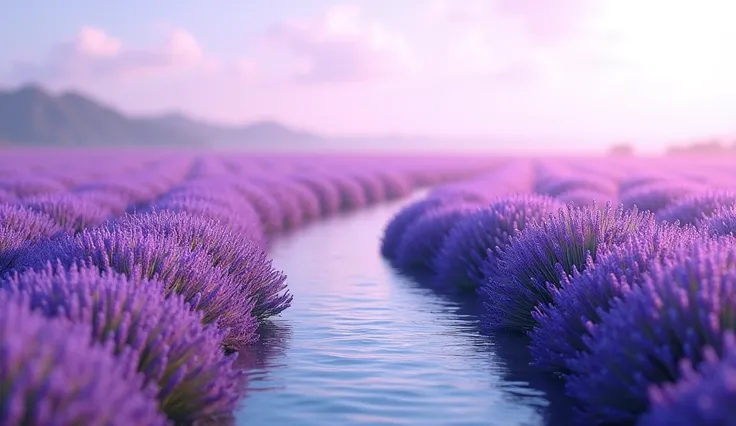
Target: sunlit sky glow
x=579, y=72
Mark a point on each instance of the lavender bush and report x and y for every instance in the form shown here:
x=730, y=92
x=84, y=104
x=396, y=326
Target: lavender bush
x=545, y=254
x=700, y=397
x=143, y=256
x=20, y=230
x=694, y=208
x=721, y=222
x=396, y=185
x=326, y=192
x=246, y=263
x=677, y=311
x=470, y=252
x=579, y=302
x=584, y=197
x=352, y=194
x=51, y=376
x=309, y=205
x=657, y=196
x=195, y=380
x=223, y=205
x=72, y=213
x=423, y=239
x=7, y=197
x=556, y=187
x=269, y=211
x=28, y=186
x=372, y=185
x=404, y=219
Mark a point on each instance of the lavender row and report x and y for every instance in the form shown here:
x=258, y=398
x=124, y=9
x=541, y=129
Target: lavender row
x=260, y=196
x=34, y=218
x=634, y=309
x=170, y=291
x=155, y=292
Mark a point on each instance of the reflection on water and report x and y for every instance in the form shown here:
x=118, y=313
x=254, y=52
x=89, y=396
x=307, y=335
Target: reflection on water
x=257, y=360
x=362, y=345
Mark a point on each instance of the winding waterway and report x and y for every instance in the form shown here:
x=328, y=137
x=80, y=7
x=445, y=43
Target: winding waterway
x=362, y=345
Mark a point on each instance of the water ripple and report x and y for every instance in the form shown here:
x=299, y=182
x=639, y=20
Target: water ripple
x=362, y=345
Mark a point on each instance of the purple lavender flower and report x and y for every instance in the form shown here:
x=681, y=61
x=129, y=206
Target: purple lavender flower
x=641, y=180
x=584, y=197
x=28, y=186
x=396, y=185
x=308, y=201
x=352, y=195
x=291, y=203
x=20, y=229
x=467, y=191
x=578, y=304
x=555, y=187
x=655, y=197
x=263, y=202
x=372, y=187
x=247, y=264
x=71, y=212
x=722, y=222
x=398, y=225
x=299, y=204
x=131, y=190
x=403, y=220
x=143, y=256
x=545, y=253
x=325, y=191
x=7, y=196
x=676, y=312
x=116, y=204
x=194, y=378
x=51, y=376
x=243, y=220
x=423, y=239
x=700, y=397
x=470, y=252
x=693, y=208
x=31, y=225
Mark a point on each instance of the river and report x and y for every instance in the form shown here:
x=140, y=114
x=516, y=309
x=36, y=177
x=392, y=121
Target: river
x=362, y=345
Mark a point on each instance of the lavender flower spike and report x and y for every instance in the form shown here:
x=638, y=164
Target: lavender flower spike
x=577, y=306
x=51, y=376
x=547, y=253
x=469, y=254
x=195, y=379
x=701, y=397
x=678, y=311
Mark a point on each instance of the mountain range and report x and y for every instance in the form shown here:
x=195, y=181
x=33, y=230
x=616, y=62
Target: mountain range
x=32, y=116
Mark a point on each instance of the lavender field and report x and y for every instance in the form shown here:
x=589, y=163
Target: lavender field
x=152, y=287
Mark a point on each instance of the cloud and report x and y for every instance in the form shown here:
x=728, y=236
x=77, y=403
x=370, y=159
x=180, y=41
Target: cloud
x=247, y=69
x=545, y=21
x=95, y=54
x=515, y=41
x=342, y=46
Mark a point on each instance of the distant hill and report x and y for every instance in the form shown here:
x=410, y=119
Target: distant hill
x=708, y=147
x=262, y=134
x=31, y=116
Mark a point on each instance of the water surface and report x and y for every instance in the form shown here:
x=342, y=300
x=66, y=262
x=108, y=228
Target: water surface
x=362, y=345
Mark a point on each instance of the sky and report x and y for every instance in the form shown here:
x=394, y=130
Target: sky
x=573, y=73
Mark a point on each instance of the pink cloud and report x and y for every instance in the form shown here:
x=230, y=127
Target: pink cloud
x=513, y=41
x=546, y=21
x=247, y=69
x=342, y=46
x=541, y=21
x=95, y=54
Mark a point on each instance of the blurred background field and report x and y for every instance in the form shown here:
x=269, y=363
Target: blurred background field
x=315, y=212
